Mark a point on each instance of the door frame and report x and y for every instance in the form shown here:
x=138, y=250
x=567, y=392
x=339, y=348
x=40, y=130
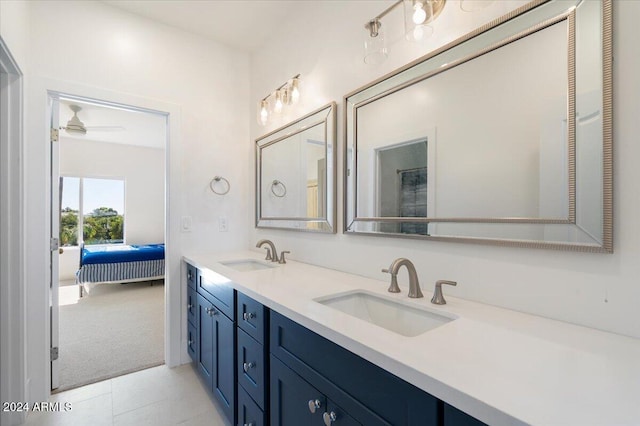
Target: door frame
x=175, y=352
x=12, y=290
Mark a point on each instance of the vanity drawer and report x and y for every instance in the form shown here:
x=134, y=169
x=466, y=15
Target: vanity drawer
x=252, y=368
x=248, y=412
x=337, y=372
x=192, y=342
x=252, y=317
x=192, y=273
x=192, y=305
x=216, y=290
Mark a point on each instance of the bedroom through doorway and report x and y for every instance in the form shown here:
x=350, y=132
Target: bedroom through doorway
x=108, y=215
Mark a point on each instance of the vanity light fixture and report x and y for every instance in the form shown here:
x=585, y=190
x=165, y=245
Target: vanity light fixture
x=418, y=14
x=287, y=94
x=473, y=5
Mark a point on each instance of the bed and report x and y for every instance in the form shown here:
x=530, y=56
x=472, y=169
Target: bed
x=118, y=264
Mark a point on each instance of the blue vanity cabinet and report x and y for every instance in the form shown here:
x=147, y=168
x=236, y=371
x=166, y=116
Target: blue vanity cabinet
x=192, y=312
x=253, y=363
x=455, y=417
x=365, y=392
x=216, y=354
x=296, y=403
x=248, y=411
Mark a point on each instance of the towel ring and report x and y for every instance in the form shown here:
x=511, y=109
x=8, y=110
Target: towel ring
x=278, y=183
x=217, y=179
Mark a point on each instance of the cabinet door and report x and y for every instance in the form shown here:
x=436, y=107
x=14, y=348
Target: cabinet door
x=455, y=417
x=294, y=402
x=224, y=367
x=205, y=327
x=249, y=414
x=192, y=342
x=336, y=416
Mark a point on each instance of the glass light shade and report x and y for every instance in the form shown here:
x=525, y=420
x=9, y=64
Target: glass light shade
x=263, y=112
x=294, y=96
x=375, y=47
x=474, y=5
x=277, y=106
x=417, y=17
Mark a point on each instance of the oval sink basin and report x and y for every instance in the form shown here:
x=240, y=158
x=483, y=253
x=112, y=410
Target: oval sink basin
x=244, y=265
x=387, y=313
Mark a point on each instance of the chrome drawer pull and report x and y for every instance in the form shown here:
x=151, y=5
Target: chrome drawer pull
x=248, y=424
x=329, y=418
x=212, y=311
x=248, y=315
x=314, y=404
x=247, y=366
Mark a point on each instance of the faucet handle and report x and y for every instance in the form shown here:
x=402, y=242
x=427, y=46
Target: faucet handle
x=438, y=296
x=268, y=254
x=393, y=286
x=282, y=259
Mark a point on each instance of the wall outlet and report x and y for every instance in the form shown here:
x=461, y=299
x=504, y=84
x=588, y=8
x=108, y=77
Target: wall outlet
x=185, y=224
x=223, y=225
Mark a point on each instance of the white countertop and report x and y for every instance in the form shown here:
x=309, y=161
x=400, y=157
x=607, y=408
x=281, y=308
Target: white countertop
x=500, y=366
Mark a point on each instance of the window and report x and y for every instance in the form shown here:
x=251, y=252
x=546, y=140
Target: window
x=94, y=205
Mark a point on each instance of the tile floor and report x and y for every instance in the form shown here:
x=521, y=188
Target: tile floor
x=157, y=396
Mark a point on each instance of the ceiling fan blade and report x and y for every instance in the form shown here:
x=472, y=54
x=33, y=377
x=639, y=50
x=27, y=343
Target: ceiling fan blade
x=105, y=128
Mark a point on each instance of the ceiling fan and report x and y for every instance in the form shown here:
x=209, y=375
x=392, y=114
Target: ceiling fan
x=75, y=126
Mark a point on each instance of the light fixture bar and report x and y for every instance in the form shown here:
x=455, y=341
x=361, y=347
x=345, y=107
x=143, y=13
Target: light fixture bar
x=387, y=10
x=286, y=94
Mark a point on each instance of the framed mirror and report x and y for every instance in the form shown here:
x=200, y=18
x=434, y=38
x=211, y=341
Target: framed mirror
x=295, y=174
x=501, y=137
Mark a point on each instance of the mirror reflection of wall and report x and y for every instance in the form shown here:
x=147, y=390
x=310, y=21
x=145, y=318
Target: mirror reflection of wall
x=291, y=178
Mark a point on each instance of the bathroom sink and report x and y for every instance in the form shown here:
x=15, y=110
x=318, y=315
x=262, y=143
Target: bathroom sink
x=244, y=265
x=394, y=315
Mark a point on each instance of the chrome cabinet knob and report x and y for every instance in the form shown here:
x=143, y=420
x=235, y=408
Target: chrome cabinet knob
x=189, y=276
x=314, y=404
x=190, y=342
x=247, y=366
x=190, y=305
x=248, y=315
x=329, y=418
x=212, y=311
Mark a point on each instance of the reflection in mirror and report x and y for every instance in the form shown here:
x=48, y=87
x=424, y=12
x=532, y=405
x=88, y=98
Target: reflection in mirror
x=475, y=143
x=295, y=174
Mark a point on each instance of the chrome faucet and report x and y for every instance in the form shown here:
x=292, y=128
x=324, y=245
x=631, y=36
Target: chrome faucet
x=414, y=285
x=271, y=249
x=438, y=297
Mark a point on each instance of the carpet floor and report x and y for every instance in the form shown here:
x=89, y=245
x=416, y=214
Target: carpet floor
x=117, y=329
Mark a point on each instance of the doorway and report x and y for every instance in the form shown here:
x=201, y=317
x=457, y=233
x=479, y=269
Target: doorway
x=12, y=292
x=107, y=198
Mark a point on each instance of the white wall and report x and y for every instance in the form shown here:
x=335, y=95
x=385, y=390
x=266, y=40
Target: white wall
x=14, y=30
x=92, y=49
x=596, y=290
x=143, y=172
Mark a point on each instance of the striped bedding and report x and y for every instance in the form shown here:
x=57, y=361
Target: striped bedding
x=122, y=271
x=111, y=264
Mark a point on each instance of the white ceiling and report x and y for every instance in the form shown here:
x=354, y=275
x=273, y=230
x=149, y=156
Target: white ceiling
x=242, y=24
x=127, y=127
